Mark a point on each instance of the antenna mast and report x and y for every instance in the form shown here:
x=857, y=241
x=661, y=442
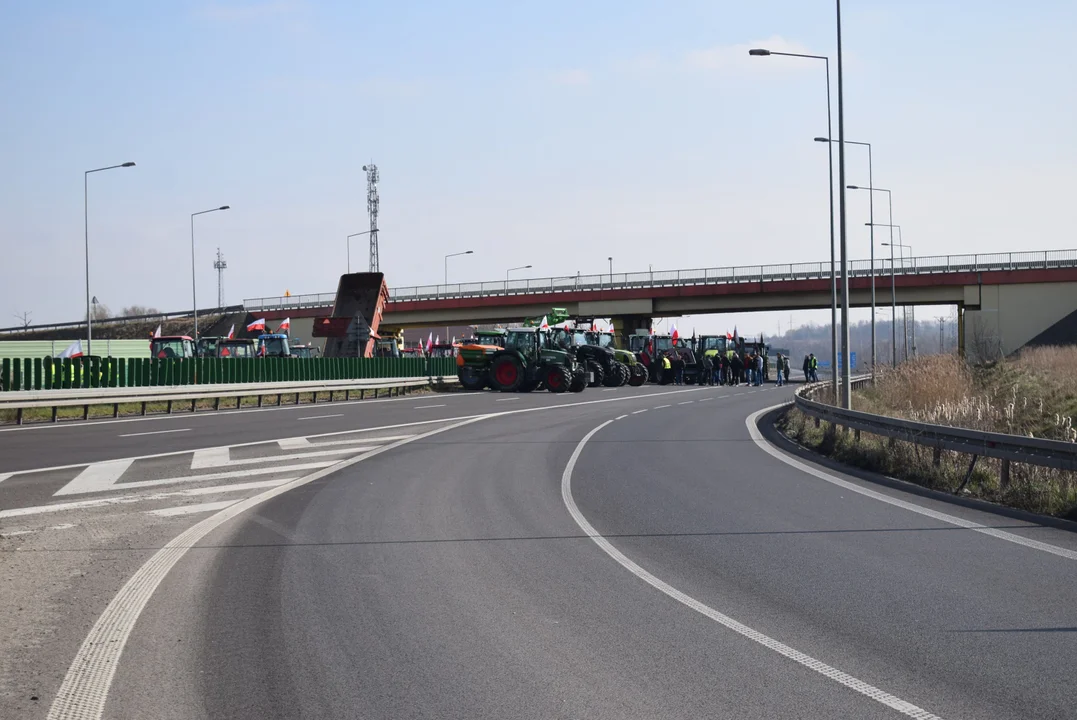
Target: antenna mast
x=219, y=265
x=372, y=202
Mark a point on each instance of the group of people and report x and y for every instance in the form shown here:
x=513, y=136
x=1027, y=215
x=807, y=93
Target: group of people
x=811, y=368
x=750, y=368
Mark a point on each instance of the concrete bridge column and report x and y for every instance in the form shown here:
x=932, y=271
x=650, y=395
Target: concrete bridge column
x=625, y=325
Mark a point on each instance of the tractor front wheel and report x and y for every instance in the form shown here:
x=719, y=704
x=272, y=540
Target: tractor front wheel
x=598, y=374
x=557, y=379
x=579, y=380
x=471, y=379
x=638, y=375
x=506, y=374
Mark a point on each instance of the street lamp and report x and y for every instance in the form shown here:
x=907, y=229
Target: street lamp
x=86, y=223
x=466, y=252
x=522, y=267
x=905, y=310
x=871, y=218
x=760, y=52
x=348, y=242
x=893, y=291
x=610, y=258
x=194, y=296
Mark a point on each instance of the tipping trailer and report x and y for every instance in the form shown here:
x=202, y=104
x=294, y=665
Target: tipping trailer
x=352, y=328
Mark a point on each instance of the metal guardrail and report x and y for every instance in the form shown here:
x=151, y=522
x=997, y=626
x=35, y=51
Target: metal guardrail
x=978, y=443
x=1040, y=259
x=87, y=397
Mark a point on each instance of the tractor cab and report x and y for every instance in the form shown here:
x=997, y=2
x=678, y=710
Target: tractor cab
x=441, y=350
x=235, y=348
x=172, y=346
x=274, y=345
x=305, y=351
x=713, y=345
x=207, y=346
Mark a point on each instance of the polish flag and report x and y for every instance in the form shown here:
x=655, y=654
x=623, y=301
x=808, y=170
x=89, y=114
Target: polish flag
x=232, y=332
x=430, y=342
x=728, y=335
x=734, y=332
x=594, y=326
x=544, y=325
x=259, y=324
x=157, y=332
x=675, y=335
x=285, y=325
x=73, y=350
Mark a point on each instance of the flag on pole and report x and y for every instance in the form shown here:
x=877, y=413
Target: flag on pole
x=734, y=332
x=430, y=342
x=728, y=335
x=285, y=325
x=437, y=340
x=544, y=325
x=232, y=331
x=675, y=335
x=73, y=350
x=259, y=324
x=157, y=332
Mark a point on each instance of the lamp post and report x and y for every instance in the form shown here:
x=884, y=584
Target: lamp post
x=465, y=252
x=846, y=379
x=893, y=295
x=521, y=267
x=86, y=226
x=871, y=190
x=348, y=242
x=905, y=309
x=194, y=296
x=759, y=52
x=610, y=258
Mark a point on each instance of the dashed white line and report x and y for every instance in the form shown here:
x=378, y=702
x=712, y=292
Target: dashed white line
x=427, y=407
x=686, y=402
x=637, y=412
x=608, y=389
x=659, y=407
x=621, y=417
x=320, y=417
x=737, y=394
x=507, y=399
x=155, y=432
x=902, y=706
x=706, y=399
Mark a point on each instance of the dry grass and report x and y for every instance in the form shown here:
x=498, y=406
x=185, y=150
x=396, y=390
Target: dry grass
x=1031, y=394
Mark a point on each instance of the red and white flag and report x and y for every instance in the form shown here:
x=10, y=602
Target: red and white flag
x=285, y=325
x=437, y=340
x=728, y=335
x=675, y=335
x=157, y=332
x=232, y=332
x=73, y=350
x=259, y=324
x=544, y=325
x=430, y=342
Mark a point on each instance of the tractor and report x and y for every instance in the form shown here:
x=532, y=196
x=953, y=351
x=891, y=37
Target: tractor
x=473, y=358
x=172, y=346
x=236, y=348
x=601, y=362
x=650, y=349
x=637, y=373
x=273, y=345
x=529, y=360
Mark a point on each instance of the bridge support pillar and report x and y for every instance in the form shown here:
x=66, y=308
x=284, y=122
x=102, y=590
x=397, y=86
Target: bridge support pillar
x=625, y=325
x=961, y=331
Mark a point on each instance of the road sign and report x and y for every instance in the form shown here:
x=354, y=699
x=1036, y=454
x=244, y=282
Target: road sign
x=852, y=360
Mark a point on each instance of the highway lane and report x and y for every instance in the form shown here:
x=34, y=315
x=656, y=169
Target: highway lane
x=447, y=579
x=78, y=442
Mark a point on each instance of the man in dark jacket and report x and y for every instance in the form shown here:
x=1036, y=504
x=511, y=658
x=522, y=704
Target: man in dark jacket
x=807, y=369
x=736, y=367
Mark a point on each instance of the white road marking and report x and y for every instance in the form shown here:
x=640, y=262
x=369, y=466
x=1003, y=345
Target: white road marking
x=621, y=417
x=506, y=399
x=191, y=509
x=293, y=443
x=210, y=457
x=102, y=487
x=13, y=533
x=127, y=499
x=315, y=452
x=637, y=412
x=608, y=389
x=706, y=399
x=757, y=436
x=902, y=706
x=737, y=394
x=84, y=691
x=5, y=476
x=61, y=526
x=428, y=407
x=659, y=407
x=686, y=402
x=96, y=477
x=320, y=417
x=155, y=432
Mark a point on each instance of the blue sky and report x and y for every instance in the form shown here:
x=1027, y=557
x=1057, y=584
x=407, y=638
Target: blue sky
x=554, y=134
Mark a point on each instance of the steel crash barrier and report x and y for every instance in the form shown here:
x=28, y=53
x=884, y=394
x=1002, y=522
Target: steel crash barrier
x=1057, y=454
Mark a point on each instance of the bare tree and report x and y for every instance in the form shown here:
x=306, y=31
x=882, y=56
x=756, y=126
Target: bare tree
x=101, y=311
x=23, y=318
x=134, y=310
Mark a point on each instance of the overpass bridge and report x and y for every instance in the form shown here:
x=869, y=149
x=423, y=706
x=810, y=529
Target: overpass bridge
x=1005, y=300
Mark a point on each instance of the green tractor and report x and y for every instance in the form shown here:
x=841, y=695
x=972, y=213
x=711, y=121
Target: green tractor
x=637, y=373
x=529, y=361
x=600, y=362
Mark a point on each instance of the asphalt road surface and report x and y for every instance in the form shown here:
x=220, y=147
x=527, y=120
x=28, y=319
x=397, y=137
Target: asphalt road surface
x=643, y=556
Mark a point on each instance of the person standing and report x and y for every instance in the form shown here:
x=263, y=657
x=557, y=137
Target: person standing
x=708, y=369
x=759, y=370
x=667, y=371
x=778, y=363
x=814, y=368
x=735, y=368
x=807, y=369
x=678, y=369
x=785, y=369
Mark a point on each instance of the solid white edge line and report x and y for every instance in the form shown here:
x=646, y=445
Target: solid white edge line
x=84, y=691
x=155, y=432
x=753, y=420
x=832, y=673
x=181, y=510
x=427, y=407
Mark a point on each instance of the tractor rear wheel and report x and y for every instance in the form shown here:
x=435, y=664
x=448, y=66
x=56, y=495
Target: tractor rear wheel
x=626, y=374
x=506, y=374
x=579, y=380
x=638, y=375
x=470, y=378
x=613, y=375
x=557, y=379
x=598, y=374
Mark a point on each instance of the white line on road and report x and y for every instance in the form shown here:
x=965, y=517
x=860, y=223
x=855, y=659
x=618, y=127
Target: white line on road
x=608, y=389
x=210, y=457
x=97, y=477
x=659, y=407
x=101, y=486
x=621, y=417
x=506, y=399
x=428, y=407
x=637, y=412
x=706, y=399
x=191, y=509
x=320, y=417
x=757, y=436
x=880, y=696
x=84, y=691
x=315, y=452
x=737, y=394
x=155, y=432
x=5, y=476
x=686, y=402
